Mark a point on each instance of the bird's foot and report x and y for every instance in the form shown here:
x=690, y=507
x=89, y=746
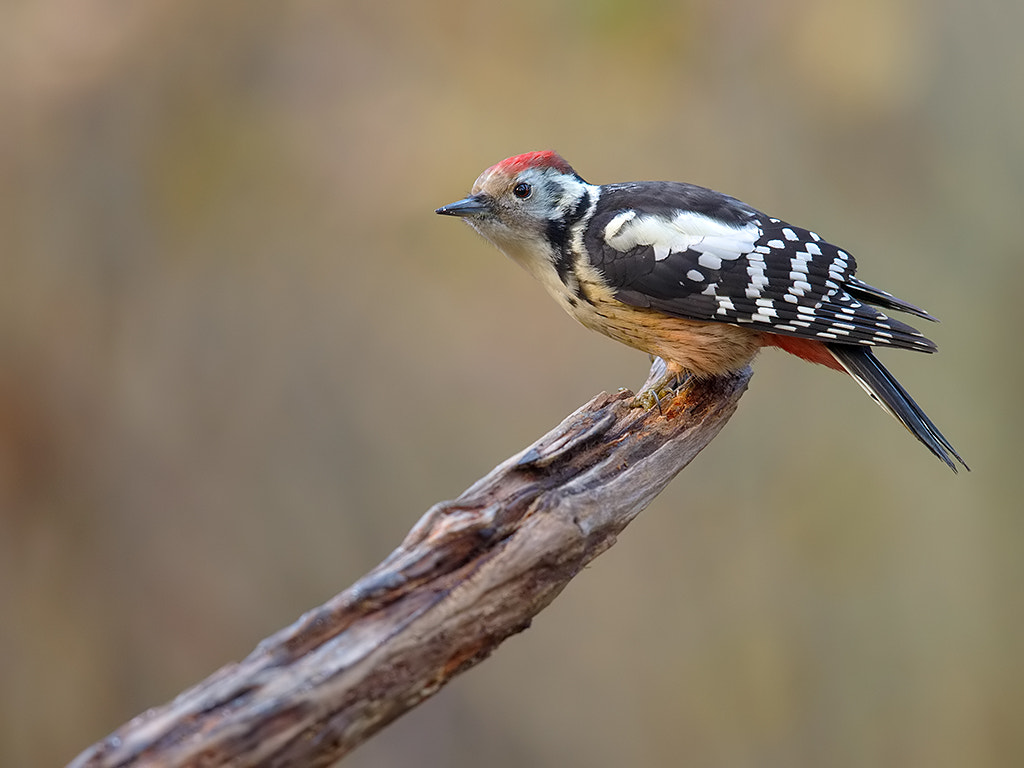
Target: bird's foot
x=659, y=388
x=650, y=398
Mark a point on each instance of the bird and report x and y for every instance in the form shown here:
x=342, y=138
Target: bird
x=695, y=277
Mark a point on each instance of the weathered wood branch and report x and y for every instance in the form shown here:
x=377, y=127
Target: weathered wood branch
x=470, y=573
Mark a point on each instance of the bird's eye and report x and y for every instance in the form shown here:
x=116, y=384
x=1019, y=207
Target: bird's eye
x=522, y=190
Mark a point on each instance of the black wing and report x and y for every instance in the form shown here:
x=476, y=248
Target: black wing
x=695, y=253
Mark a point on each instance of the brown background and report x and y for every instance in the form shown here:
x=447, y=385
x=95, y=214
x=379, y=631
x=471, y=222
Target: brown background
x=239, y=357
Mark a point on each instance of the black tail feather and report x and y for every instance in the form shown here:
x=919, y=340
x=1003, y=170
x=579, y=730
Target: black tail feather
x=863, y=366
x=861, y=290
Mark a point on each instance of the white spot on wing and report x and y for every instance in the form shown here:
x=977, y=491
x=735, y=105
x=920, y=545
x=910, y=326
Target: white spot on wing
x=694, y=275
x=710, y=261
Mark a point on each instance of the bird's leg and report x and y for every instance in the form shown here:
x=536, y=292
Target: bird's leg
x=663, y=382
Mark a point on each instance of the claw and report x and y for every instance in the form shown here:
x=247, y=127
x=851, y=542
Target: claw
x=649, y=398
x=664, y=384
x=646, y=400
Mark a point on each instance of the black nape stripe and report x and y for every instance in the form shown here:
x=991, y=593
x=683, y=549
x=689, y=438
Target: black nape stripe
x=558, y=235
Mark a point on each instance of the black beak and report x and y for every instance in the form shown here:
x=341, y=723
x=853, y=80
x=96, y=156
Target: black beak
x=469, y=206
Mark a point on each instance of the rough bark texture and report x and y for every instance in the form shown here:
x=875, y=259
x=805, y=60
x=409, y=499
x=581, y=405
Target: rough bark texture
x=470, y=573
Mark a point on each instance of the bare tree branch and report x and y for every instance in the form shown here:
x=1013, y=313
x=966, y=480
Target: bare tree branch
x=470, y=573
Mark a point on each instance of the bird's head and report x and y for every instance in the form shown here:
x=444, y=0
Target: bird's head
x=518, y=203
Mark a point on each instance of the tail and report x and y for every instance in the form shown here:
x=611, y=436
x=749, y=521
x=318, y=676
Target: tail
x=863, y=366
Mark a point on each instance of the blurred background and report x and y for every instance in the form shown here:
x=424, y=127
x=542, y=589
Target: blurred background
x=240, y=356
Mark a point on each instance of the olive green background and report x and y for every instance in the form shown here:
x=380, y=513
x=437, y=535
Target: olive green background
x=240, y=356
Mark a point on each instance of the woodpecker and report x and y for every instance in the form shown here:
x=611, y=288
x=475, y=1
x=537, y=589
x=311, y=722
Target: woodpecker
x=695, y=277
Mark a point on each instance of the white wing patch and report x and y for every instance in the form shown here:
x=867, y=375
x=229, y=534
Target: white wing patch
x=714, y=241
x=613, y=228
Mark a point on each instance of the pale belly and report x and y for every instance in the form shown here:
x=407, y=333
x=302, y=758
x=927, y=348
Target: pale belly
x=701, y=348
